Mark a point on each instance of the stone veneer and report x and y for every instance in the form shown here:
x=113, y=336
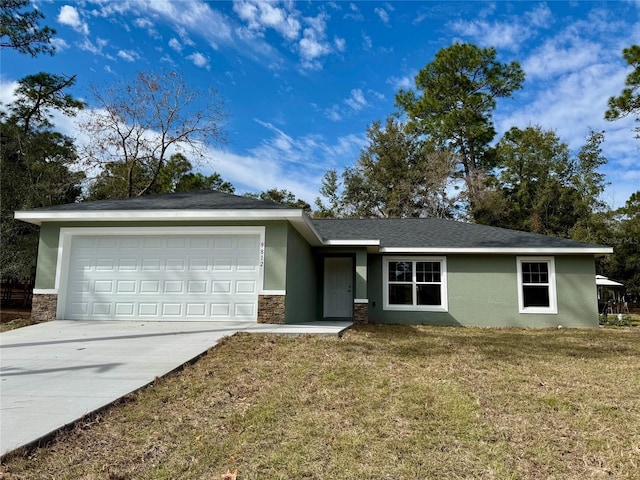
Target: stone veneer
x=43, y=307
x=271, y=308
x=360, y=313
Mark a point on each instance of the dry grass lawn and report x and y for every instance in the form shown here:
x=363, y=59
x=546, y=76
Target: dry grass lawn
x=383, y=402
x=11, y=318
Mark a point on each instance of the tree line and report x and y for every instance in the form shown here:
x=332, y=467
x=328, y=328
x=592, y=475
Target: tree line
x=436, y=155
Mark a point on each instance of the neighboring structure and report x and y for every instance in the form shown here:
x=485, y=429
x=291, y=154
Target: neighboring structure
x=610, y=296
x=214, y=256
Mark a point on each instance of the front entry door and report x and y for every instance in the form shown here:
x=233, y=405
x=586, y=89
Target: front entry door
x=338, y=287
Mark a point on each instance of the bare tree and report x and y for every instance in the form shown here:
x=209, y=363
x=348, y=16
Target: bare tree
x=140, y=124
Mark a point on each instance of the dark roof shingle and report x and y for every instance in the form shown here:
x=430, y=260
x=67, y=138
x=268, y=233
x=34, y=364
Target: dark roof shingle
x=435, y=233
x=201, y=200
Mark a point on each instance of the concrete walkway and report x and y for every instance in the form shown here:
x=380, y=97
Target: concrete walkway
x=52, y=374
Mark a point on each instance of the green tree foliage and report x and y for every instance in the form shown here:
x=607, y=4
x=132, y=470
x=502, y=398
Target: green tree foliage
x=281, y=197
x=330, y=189
x=454, y=106
x=19, y=29
x=397, y=175
x=176, y=175
x=139, y=123
x=628, y=102
x=35, y=162
x=542, y=188
x=624, y=237
x=37, y=96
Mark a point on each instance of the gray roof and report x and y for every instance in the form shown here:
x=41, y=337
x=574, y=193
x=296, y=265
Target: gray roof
x=201, y=200
x=435, y=233
x=409, y=233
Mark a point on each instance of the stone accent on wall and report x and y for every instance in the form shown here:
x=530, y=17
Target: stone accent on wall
x=360, y=313
x=43, y=307
x=271, y=308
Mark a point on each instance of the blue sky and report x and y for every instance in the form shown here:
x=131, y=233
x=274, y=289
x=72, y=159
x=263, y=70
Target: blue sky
x=303, y=80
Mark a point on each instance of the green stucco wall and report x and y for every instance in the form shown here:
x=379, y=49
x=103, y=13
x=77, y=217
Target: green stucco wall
x=301, y=280
x=483, y=291
x=47, y=256
x=275, y=247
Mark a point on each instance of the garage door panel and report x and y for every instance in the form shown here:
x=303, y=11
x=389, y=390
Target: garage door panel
x=163, y=277
x=98, y=308
x=174, y=287
x=106, y=241
x=104, y=265
x=197, y=286
x=198, y=264
x=150, y=286
x=148, y=309
x=174, y=265
x=103, y=286
x=78, y=308
x=125, y=309
x=172, y=310
x=151, y=264
x=245, y=286
x=244, y=310
x=200, y=243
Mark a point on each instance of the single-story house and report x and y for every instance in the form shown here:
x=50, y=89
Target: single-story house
x=214, y=256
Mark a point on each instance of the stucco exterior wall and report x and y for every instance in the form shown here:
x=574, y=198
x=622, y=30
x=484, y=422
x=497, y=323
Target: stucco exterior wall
x=301, y=280
x=483, y=291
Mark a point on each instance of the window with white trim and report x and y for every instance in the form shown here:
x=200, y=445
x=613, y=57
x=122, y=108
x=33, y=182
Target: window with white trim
x=537, y=285
x=415, y=283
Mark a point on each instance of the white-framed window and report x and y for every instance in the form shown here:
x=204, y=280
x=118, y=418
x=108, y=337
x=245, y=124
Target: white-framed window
x=537, y=285
x=415, y=284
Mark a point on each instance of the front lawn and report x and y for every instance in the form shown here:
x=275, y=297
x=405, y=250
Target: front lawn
x=11, y=318
x=383, y=402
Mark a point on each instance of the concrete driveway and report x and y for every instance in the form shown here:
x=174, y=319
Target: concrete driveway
x=54, y=373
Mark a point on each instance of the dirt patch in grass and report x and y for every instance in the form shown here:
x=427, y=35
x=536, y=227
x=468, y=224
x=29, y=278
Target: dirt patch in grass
x=383, y=402
x=11, y=318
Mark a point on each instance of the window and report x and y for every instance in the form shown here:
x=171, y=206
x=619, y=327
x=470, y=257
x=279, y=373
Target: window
x=415, y=284
x=537, y=285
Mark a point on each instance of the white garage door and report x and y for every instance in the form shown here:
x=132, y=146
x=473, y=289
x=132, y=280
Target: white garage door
x=163, y=277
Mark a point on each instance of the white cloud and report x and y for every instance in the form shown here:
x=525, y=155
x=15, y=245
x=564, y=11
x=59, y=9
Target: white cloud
x=558, y=56
x=175, y=44
x=540, y=16
x=354, y=13
x=356, y=100
x=295, y=164
x=367, y=43
x=382, y=15
x=96, y=48
x=59, y=44
x=261, y=15
x=313, y=43
x=199, y=60
x=340, y=43
x=128, y=55
x=143, y=23
x=333, y=113
x=354, y=103
x=147, y=25
x=502, y=35
x=195, y=16
x=405, y=82
x=7, y=91
x=69, y=16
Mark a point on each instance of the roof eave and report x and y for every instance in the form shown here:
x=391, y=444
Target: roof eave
x=589, y=250
x=38, y=217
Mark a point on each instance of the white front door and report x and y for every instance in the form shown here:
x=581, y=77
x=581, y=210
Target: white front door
x=338, y=287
